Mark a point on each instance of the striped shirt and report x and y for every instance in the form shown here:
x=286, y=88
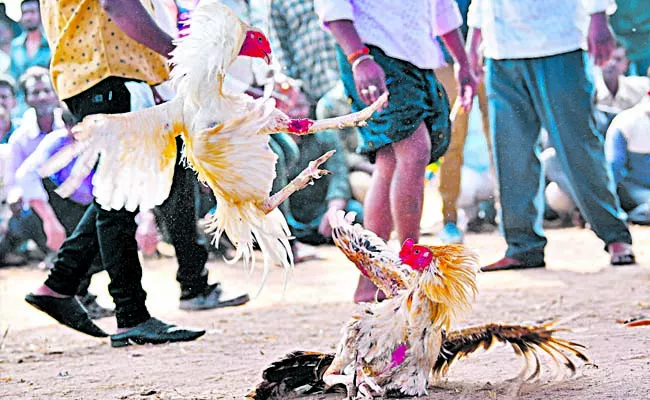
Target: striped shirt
x=304, y=50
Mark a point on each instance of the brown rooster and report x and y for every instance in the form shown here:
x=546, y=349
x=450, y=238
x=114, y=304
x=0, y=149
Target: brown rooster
x=398, y=346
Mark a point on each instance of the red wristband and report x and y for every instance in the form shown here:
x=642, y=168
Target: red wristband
x=356, y=54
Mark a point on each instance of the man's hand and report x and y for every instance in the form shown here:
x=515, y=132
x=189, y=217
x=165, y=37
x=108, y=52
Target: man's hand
x=325, y=229
x=475, y=60
x=369, y=77
x=474, y=54
x=467, y=85
x=370, y=80
x=147, y=233
x=600, y=40
x=54, y=232
x=334, y=205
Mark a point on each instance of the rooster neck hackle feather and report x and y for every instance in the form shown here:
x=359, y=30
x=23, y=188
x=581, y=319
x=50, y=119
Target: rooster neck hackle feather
x=203, y=57
x=450, y=283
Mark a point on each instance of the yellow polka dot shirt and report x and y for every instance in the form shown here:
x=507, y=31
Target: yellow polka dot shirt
x=87, y=47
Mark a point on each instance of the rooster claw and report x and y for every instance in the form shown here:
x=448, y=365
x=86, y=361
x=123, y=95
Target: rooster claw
x=312, y=171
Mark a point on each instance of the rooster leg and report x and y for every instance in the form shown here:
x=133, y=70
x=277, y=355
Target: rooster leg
x=337, y=378
x=306, y=126
x=303, y=179
x=369, y=389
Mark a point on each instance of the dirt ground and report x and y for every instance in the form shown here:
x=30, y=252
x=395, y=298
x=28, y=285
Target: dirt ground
x=42, y=360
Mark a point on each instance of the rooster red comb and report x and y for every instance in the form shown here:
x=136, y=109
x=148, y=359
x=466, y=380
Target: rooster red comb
x=407, y=246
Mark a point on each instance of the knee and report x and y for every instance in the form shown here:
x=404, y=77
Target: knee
x=418, y=158
x=415, y=151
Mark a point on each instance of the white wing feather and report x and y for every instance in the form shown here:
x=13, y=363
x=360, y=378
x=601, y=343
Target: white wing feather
x=238, y=165
x=136, y=153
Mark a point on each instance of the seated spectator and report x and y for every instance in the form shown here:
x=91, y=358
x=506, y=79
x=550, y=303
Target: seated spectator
x=42, y=215
x=311, y=207
x=7, y=256
x=8, y=102
x=6, y=127
x=38, y=121
x=615, y=91
x=627, y=149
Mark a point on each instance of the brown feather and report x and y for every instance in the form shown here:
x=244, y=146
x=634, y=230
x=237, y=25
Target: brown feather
x=527, y=341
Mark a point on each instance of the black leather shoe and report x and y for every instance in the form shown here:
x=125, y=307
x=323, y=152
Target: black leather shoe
x=213, y=297
x=154, y=331
x=67, y=311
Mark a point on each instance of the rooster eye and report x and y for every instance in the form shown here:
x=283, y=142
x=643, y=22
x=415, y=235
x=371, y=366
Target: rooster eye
x=417, y=252
x=259, y=39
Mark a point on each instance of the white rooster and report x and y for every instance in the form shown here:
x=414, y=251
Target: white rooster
x=225, y=136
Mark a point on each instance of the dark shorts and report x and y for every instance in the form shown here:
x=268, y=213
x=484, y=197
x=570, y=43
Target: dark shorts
x=415, y=96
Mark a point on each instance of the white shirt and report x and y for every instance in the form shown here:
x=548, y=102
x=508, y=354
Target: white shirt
x=405, y=30
x=631, y=90
x=634, y=124
x=514, y=29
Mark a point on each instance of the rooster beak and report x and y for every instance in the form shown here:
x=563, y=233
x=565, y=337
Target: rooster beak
x=267, y=58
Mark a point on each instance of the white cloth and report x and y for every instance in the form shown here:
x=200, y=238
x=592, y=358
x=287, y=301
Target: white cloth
x=515, y=29
x=634, y=124
x=631, y=90
x=405, y=30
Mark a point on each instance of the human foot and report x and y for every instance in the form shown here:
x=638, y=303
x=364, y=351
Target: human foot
x=367, y=292
x=46, y=291
x=621, y=253
x=65, y=309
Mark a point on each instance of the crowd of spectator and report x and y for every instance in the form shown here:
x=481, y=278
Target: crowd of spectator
x=307, y=82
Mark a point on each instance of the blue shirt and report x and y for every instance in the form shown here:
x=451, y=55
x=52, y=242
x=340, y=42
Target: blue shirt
x=20, y=60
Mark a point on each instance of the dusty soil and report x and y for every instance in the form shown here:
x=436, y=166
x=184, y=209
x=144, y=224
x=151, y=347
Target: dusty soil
x=42, y=360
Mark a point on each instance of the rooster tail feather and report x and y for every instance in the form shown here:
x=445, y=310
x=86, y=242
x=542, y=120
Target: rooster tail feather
x=298, y=371
x=245, y=224
x=527, y=341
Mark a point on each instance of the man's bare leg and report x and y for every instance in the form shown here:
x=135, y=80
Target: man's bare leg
x=377, y=215
x=407, y=188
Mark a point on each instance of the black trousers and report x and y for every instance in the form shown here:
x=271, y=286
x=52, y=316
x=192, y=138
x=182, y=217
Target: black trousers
x=178, y=214
x=111, y=233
